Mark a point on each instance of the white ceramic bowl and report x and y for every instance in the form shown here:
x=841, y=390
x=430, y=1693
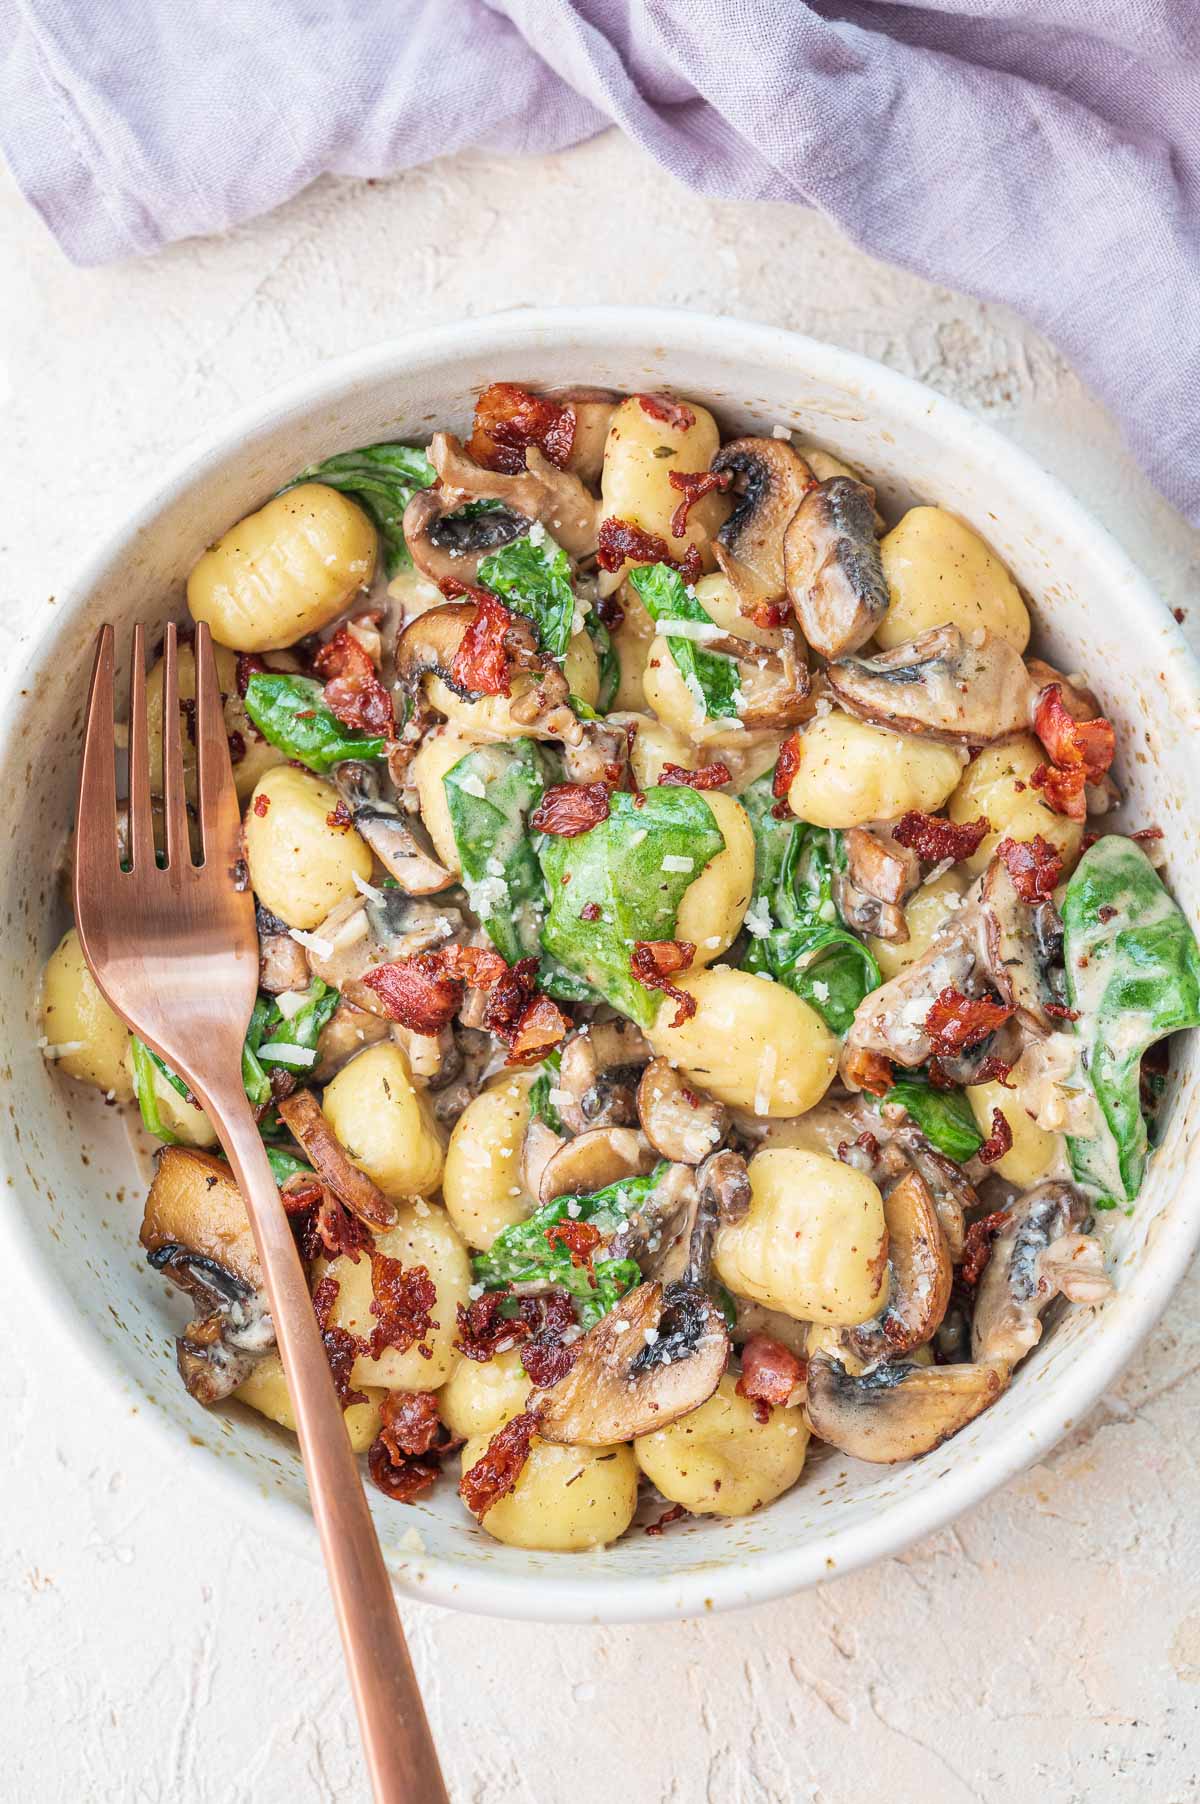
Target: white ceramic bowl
x=74, y=1198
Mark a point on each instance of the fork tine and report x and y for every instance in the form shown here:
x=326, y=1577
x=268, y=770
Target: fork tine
x=141, y=821
x=96, y=820
x=220, y=819
x=179, y=850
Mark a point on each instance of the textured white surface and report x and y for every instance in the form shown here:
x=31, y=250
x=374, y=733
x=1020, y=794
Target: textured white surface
x=1047, y=1646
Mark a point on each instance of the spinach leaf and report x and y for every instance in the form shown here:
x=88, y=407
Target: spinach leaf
x=714, y=680
x=797, y=935
x=943, y=1116
x=276, y=1040
x=284, y=1165
x=523, y=1255
x=540, y=1106
x=534, y=579
x=290, y=711
x=610, y=663
x=1133, y=972
x=635, y=867
x=147, y=1068
x=383, y=480
x=490, y=794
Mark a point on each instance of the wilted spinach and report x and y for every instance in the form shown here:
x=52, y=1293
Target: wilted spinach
x=534, y=580
x=943, y=1116
x=490, y=794
x=714, y=680
x=383, y=480
x=290, y=711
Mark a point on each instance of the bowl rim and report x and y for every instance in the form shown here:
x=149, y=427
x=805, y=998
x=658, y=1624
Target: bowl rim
x=1128, y=1318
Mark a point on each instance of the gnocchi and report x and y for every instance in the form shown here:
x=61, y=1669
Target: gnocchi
x=1034, y=1153
x=482, y=1184
x=641, y=451
x=941, y=573
x=302, y=862
x=998, y=785
x=566, y=1499
x=385, y=1123
x=751, y=1043
x=721, y=1460
x=85, y=1037
x=266, y=1390
x=713, y=907
x=851, y=773
x=424, y=1236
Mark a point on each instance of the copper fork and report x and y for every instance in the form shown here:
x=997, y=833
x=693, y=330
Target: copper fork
x=175, y=951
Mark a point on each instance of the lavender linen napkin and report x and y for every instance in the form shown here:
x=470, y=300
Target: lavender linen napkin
x=1044, y=153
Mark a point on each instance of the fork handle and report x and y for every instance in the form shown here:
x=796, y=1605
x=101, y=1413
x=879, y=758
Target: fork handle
x=401, y=1756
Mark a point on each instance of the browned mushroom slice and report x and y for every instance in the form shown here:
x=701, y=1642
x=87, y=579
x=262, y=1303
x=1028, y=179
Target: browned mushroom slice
x=365, y=931
x=304, y=1119
x=401, y=845
x=594, y=1159
x=282, y=964
x=891, y=1020
x=1024, y=1273
x=446, y=541
x=598, y=1075
x=430, y=642
x=770, y=480
x=196, y=1231
x=537, y=1149
x=655, y=1357
x=593, y=409
x=777, y=689
x=880, y=874
x=602, y=751
x=942, y=685
x=921, y=1275
x=675, y=1243
x=679, y=1122
x=835, y=579
x=1015, y=945
x=896, y=1411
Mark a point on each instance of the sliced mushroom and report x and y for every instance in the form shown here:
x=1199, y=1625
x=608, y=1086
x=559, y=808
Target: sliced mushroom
x=598, y=1075
x=942, y=685
x=891, y=1020
x=443, y=543
x=303, y=1117
x=777, y=690
x=282, y=964
x=1016, y=940
x=347, y=1031
x=896, y=1411
x=430, y=643
x=679, y=1122
x=537, y=1149
x=593, y=409
x=196, y=1231
x=770, y=480
x=364, y=931
x=835, y=579
x=953, y=1194
x=921, y=1275
x=681, y=1249
x=655, y=1357
x=603, y=751
x=1019, y=1280
x=594, y=1159
x=880, y=874
x=401, y=845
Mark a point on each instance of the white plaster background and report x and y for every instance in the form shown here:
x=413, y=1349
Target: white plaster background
x=1048, y=1646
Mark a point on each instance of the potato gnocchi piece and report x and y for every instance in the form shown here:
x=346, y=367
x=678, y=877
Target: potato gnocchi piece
x=285, y=571
x=851, y=773
x=1034, y=1153
x=266, y=1390
x=635, y=485
x=423, y=1235
x=566, y=1500
x=721, y=1460
x=940, y=573
x=712, y=908
x=385, y=1123
x=998, y=784
x=481, y=1395
x=751, y=1043
x=654, y=746
x=301, y=867
x=185, y=1121
x=482, y=1184
x=932, y=905
x=439, y=753
x=814, y=1242
x=91, y=1040
x=490, y=717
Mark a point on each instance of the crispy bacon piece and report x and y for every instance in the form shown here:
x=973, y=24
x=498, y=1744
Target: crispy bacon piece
x=353, y=690
x=655, y=962
x=868, y=1071
x=610, y=611
x=480, y=665
x=527, y=1022
x=541, y=1026
x=248, y=664
x=548, y=1361
x=321, y=1223
x=508, y=419
x=339, y=819
x=864, y=1143
x=483, y=1331
x=787, y=764
x=993, y=1071
x=956, y=1022
x=770, y=615
x=411, y=1424
x=581, y=1238
x=418, y=992
x=479, y=967
x=671, y=413
x=402, y=1304
x=977, y=1246
x=303, y=1118
x=401, y=1479
x=999, y=1141
x=934, y=839
x=770, y=1373
x=341, y=1347
x=1034, y=865
x=693, y=485
x=547, y=1357
x=1064, y=790
x=497, y=1470
x=454, y=589
x=709, y=776
x=568, y=809
x=674, y=1514
x=1059, y=1011
x=1089, y=745
x=1146, y=836
x=619, y=540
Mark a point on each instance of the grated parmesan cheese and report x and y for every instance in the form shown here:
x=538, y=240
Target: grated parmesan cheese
x=312, y=942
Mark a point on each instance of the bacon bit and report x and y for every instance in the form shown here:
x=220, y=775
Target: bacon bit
x=547, y=1358
x=480, y=665
x=620, y=540
x=508, y=419
x=1087, y=745
x=343, y=655
x=940, y=1079
x=611, y=613
x=674, y=1514
x=693, y=486
x=1064, y=790
x=568, y=809
x=993, y=1071
x=340, y=818
x=542, y=1026
x=302, y=1191
x=770, y=1373
x=401, y=1302
x=1034, y=865
x=786, y=766
x=406, y=1456
x=262, y=806
x=454, y=589
x=868, y=1071
x=977, y=1246
x=1107, y=913
x=770, y=615
x=671, y=413
x=590, y=911
x=956, y=1022
x=248, y=664
x=509, y=997
x=865, y=1142
x=1060, y=1013
x=403, y=1479
x=581, y=1238
x=479, y=967
x=499, y=1467
x=654, y=963
x=323, y=1225
x=341, y=1347
x=1146, y=836
x=418, y=992
x=934, y=839
x=353, y=691
x=548, y=1361
x=709, y=776
x=999, y=1141
x=483, y=1331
